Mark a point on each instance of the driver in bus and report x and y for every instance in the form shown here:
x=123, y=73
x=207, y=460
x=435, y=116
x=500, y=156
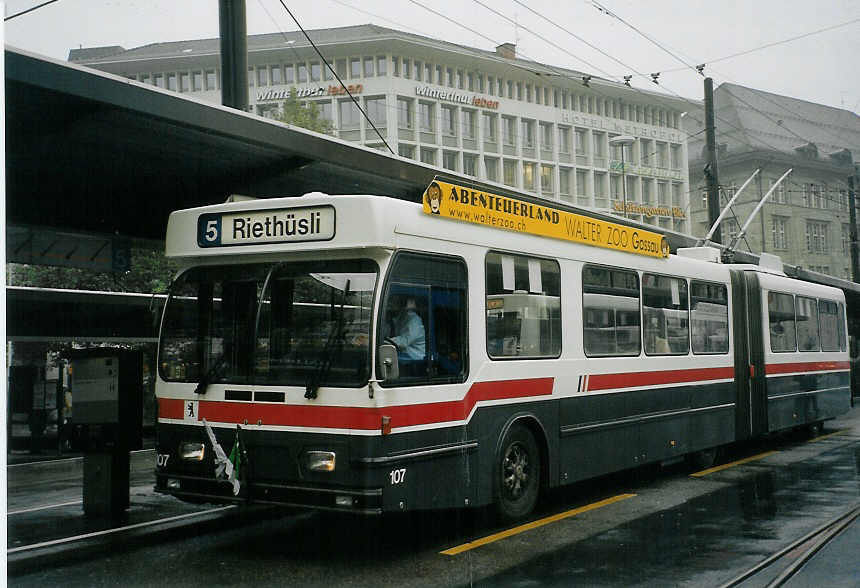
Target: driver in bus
x=409, y=332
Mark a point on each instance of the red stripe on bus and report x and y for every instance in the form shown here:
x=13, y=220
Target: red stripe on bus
x=637, y=379
x=807, y=366
x=359, y=418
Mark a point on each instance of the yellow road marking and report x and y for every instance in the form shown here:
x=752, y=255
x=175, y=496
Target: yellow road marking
x=726, y=466
x=829, y=435
x=534, y=525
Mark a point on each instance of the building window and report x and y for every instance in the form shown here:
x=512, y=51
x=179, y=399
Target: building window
x=489, y=127
x=564, y=181
x=846, y=239
x=579, y=134
x=211, y=80
x=376, y=111
x=509, y=130
x=510, y=170
x=316, y=71
x=404, y=150
x=449, y=77
x=449, y=160
x=350, y=116
x=184, y=82
x=778, y=232
x=470, y=164
x=404, y=113
x=510, y=89
x=396, y=61
x=440, y=76
x=407, y=72
x=491, y=167
x=368, y=67
x=381, y=65
x=564, y=140
x=277, y=75
x=302, y=73
x=328, y=67
x=197, y=80
x=469, y=127
x=581, y=183
x=546, y=179
x=778, y=195
x=426, y=118
x=546, y=137
x=529, y=176
x=354, y=68
x=428, y=156
x=428, y=73
x=289, y=74
x=171, y=81
x=528, y=134
x=460, y=80
x=600, y=185
x=816, y=237
x=449, y=120
x=675, y=151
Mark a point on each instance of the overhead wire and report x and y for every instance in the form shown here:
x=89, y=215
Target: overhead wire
x=29, y=10
x=337, y=77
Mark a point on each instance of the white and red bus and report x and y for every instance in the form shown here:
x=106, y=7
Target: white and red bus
x=556, y=347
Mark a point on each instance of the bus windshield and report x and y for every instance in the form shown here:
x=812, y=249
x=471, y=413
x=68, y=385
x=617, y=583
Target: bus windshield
x=272, y=324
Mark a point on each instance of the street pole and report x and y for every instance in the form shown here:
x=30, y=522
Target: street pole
x=623, y=141
x=234, y=54
x=711, y=175
x=852, y=211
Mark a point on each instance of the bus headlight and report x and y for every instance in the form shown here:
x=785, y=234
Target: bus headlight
x=192, y=451
x=320, y=461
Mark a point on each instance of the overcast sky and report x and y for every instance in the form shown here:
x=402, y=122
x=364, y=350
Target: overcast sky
x=820, y=68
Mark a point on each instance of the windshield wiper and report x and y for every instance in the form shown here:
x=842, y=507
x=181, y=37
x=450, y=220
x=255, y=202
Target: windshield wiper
x=333, y=347
x=204, y=381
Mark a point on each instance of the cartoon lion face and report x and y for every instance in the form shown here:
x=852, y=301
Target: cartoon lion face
x=434, y=197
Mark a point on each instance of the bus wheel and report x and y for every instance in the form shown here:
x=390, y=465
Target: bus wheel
x=518, y=474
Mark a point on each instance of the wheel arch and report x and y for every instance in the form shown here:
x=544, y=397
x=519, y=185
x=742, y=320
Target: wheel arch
x=531, y=422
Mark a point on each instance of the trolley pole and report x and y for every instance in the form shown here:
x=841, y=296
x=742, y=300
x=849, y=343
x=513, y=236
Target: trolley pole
x=234, y=54
x=711, y=175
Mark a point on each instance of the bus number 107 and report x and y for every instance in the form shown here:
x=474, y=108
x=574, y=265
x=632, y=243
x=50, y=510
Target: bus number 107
x=397, y=476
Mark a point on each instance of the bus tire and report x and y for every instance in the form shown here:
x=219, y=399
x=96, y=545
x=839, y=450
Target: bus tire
x=518, y=474
x=704, y=459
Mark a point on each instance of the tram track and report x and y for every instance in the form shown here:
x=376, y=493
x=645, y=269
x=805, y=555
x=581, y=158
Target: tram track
x=799, y=552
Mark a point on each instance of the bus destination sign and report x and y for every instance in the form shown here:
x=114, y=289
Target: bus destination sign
x=501, y=212
x=262, y=227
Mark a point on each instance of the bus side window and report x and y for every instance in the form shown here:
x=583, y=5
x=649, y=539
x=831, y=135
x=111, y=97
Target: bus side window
x=831, y=326
x=710, y=317
x=807, y=324
x=780, y=309
x=523, y=307
x=610, y=305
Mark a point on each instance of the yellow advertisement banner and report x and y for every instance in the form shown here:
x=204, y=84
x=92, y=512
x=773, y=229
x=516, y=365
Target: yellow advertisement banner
x=509, y=214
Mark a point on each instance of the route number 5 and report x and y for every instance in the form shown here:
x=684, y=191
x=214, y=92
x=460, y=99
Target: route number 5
x=212, y=230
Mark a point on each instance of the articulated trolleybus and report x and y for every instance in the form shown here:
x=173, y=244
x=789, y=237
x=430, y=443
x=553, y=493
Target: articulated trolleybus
x=367, y=354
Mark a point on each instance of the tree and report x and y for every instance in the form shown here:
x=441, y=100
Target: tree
x=304, y=114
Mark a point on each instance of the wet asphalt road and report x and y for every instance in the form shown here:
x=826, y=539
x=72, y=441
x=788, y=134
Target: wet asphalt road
x=673, y=530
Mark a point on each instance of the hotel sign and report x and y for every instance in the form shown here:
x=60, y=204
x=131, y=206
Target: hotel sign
x=622, y=127
x=458, y=97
